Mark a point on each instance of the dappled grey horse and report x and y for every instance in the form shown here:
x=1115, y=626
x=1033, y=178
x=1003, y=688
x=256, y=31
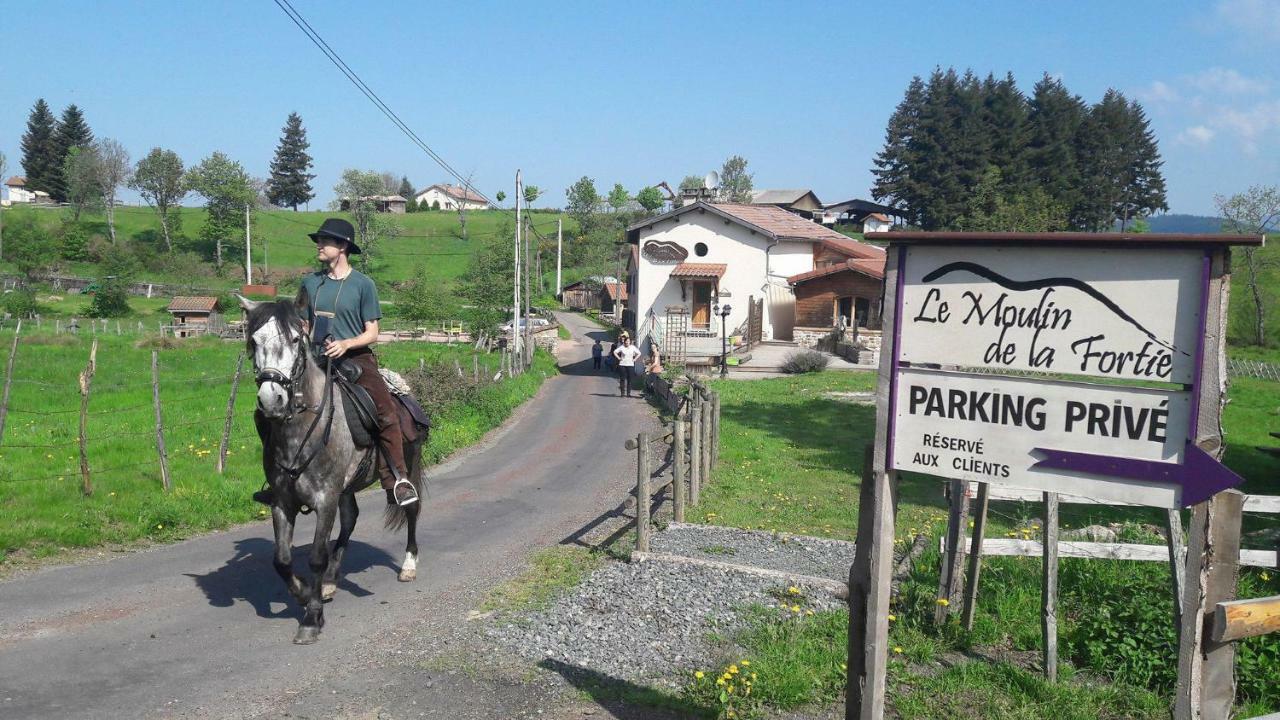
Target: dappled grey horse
x=311, y=459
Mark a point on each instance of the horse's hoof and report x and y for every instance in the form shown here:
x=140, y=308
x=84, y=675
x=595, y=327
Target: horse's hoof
x=408, y=575
x=307, y=635
x=327, y=591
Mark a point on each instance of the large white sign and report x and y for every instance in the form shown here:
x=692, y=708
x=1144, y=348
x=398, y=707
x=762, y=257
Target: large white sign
x=989, y=428
x=1115, y=313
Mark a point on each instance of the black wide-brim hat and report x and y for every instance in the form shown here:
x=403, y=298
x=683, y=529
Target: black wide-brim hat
x=338, y=229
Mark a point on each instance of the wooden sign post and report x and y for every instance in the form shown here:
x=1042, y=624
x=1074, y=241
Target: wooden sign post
x=1078, y=363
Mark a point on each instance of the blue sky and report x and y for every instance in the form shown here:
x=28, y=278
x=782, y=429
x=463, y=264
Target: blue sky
x=633, y=93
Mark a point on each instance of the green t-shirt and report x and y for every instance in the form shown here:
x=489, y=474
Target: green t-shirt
x=353, y=300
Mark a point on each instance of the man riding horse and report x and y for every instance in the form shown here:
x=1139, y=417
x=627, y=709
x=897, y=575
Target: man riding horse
x=342, y=317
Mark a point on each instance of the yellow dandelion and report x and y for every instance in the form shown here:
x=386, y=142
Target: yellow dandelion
x=1265, y=576
x=697, y=674
x=897, y=651
x=111, y=495
x=795, y=608
x=745, y=663
x=892, y=618
x=729, y=689
x=720, y=681
x=159, y=527
x=808, y=611
x=733, y=669
x=944, y=602
x=753, y=676
x=793, y=590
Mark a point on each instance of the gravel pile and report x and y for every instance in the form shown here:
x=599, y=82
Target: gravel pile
x=818, y=557
x=647, y=622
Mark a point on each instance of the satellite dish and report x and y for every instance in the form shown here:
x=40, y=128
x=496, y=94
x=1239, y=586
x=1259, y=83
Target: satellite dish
x=711, y=181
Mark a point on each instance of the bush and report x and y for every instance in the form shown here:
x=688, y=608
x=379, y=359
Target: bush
x=20, y=304
x=805, y=361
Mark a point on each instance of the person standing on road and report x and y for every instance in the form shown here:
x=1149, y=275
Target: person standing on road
x=597, y=354
x=627, y=354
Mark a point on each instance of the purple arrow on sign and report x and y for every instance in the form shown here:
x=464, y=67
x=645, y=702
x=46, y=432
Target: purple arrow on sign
x=1199, y=474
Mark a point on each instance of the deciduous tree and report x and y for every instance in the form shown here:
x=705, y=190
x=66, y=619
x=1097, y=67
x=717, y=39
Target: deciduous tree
x=82, y=179
x=531, y=193
x=357, y=190
x=160, y=180
x=583, y=201
x=735, y=181
x=650, y=198
x=115, y=168
x=1256, y=210
x=618, y=198
x=227, y=190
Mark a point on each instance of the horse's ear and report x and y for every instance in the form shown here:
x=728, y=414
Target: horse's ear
x=247, y=304
x=303, y=300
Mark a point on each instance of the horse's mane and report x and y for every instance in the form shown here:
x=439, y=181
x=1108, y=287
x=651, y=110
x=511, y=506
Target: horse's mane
x=285, y=313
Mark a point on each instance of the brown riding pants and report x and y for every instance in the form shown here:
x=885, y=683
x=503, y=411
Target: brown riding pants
x=389, y=435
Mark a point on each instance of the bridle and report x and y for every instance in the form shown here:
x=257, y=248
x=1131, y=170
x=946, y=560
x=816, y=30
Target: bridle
x=324, y=409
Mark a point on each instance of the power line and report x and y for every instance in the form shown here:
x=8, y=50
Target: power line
x=368, y=92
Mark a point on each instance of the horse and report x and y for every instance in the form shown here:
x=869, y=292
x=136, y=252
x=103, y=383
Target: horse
x=310, y=458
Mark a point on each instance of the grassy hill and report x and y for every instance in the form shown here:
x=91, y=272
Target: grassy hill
x=433, y=240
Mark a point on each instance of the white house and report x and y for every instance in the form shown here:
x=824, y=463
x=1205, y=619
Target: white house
x=450, y=197
x=700, y=256
x=15, y=191
x=876, y=222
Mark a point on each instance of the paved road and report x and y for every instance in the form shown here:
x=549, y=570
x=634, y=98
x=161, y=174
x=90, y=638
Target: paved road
x=203, y=628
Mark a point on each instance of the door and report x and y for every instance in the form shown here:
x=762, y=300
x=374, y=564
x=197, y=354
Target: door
x=701, y=305
x=862, y=312
x=844, y=311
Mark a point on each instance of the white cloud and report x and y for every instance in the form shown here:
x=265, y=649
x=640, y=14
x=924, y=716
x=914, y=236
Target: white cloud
x=1197, y=135
x=1248, y=124
x=1225, y=81
x=1159, y=92
x=1255, y=19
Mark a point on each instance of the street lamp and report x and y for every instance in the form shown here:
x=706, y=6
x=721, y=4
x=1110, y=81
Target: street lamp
x=723, y=311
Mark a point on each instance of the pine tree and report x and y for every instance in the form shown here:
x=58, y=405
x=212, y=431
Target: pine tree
x=1145, y=191
x=1004, y=115
x=290, y=183
x=1103, y=163
x=73, y=132
x=40, y=159
x=941, y=193
x=406, y=189
x=1054, y=119
x=895, y=165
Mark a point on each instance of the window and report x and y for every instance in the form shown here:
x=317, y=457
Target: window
x=700, y=249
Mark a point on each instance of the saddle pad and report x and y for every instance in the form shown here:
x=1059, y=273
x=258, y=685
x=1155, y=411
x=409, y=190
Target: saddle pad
x=416, y=412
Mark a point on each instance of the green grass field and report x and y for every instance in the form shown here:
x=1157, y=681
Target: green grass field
x=433, y=240
x=42, y=509
x=791, y=455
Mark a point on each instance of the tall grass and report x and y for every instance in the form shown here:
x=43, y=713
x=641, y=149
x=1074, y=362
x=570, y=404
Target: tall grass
x=42, y=508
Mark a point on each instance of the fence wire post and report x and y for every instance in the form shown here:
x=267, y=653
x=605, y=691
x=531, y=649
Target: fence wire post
x=1049, y=593
x=231, y=407
x=715, y=429
x=643, y=497
x=86, y=383
x=8, y=379
x=155, y=397
x=695, y=448
x=677, y=467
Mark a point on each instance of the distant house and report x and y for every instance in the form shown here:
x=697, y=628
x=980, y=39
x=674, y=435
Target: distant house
x=15, y=191
x=382, y=203
x=801, y=202
x=450, y=197
x=613, y=300
x=876, y=222
x=585, y=293
x=193, y=315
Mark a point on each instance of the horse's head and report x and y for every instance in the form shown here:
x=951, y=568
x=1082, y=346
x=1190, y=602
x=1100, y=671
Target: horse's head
x=278, y=345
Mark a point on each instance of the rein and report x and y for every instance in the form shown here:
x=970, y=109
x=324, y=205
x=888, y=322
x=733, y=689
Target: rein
x=325, y=409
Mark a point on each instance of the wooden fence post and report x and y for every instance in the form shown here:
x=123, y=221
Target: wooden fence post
x=975, y=556
x=706, y=437
x=155, y=398
x=1177, y=562
x=475, y=369
x=715, y=429
x=8, y=379
x=678, y=478
x=949, y=586
x=695, y=448
x=86, y=383
x=643, y=495
x=231, y=407
x=1049, y=592
x=1206, y=683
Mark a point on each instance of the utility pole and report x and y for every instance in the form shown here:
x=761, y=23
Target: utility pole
x=528, y=331
x=248, y=257
x=559, y=253
x=515, y=301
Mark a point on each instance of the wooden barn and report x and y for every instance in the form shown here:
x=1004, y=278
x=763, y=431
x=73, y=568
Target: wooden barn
x=838, y=295
x=581, y=295
x=193, y=315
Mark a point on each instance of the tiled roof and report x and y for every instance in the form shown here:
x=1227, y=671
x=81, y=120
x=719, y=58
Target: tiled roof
x=870, y=267
x=616, y=289
x=852, y=248
x=780, y=197
x=699, y=270
x=184, y=303
x=16, y=181
x=782, y=224
x=455, y=192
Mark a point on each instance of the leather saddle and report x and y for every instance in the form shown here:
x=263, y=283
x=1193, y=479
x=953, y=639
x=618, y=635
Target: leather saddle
x=362, y=414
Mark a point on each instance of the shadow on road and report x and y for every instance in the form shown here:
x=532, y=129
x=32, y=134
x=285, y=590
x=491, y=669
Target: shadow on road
x=248, y=576
x=623, y=699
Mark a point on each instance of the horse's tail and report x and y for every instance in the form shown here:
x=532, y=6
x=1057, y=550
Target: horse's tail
x=396, y=517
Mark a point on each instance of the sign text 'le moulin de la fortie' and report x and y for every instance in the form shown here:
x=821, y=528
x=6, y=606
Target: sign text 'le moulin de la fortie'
x=1131, y=317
